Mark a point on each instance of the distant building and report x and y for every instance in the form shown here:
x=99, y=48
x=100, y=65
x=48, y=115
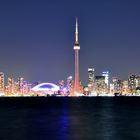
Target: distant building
x=61, y=84
x=2, y=83
x=111, y=89
x=29, y=89
x=138, y=81
x=91, y=75
x=100, y=86
x=125, y=89
x=117, y=84
x=70, y=84
x=114, y=84
x=91, y=79
x=25, y=89
x=132, y=84
x=45, y=89
x=11, y=86
x=106, y=75
x=138, y=91
x=86, y=91
x=19, y=86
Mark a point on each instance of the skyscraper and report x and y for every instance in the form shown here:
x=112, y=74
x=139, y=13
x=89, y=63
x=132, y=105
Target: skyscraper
x=117, y=85
x=106, y=75
x=91, y=75
x=76, y=49
x=11, y=86
x=100, y=86
x=70, y=84
x=91, y=79
x=132, y=83
x=1, y=83
x=20, y=86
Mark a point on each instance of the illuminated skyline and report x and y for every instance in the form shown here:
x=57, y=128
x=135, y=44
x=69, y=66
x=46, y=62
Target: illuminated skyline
x=36, y=38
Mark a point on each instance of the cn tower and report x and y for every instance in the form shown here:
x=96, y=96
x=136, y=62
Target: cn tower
x=76, y=49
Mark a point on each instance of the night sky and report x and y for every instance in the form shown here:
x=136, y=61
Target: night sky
x=37, y=38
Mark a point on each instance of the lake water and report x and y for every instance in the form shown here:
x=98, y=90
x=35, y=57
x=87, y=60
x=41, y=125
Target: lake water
x=65, y=118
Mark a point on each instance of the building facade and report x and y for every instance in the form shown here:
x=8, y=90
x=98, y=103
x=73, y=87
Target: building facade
x=2, y=87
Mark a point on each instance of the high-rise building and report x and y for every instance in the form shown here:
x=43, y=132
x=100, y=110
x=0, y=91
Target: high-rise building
x=91, y=75
x=117, y=84
x=133, y=82
x=29, y=89
x=70, y=84
x=91, y=80
x=11, y=86
x=1, y=83
x=106, y=75
x=111, y=88
x=125, y=89
x=138, y=81
x=19, y=86
x=77, y=75
x=114, y=84
x=61, y=84
x=26, y=88
x=100, y=86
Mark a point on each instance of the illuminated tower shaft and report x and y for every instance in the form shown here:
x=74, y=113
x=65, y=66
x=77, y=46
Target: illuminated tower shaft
x=77, y=78
x=76, y=48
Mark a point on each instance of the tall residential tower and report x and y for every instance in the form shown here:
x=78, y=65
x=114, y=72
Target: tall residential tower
x=1, y=83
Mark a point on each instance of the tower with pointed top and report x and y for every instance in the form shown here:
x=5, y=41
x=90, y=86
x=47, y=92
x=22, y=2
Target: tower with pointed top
x=76, y=49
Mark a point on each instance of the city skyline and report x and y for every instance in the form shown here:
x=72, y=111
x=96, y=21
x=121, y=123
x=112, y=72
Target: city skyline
x=37, y=40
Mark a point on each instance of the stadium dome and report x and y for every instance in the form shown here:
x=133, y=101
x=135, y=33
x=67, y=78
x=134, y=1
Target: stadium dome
x=46, y=87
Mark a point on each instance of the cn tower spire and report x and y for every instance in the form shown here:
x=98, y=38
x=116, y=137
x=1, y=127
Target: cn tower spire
x=76, y=47
x=76, y=32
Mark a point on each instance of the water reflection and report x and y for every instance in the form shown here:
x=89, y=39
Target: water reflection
x=70, y=119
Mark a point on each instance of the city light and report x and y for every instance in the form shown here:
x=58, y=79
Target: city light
x=98, y=85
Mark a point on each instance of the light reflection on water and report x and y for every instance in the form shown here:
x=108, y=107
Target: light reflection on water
x=70, y=118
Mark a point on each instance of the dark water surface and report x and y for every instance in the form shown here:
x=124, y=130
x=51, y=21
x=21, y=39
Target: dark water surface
x=52, y=118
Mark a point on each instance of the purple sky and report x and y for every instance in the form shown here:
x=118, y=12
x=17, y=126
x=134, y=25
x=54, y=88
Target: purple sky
x=37, y=38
